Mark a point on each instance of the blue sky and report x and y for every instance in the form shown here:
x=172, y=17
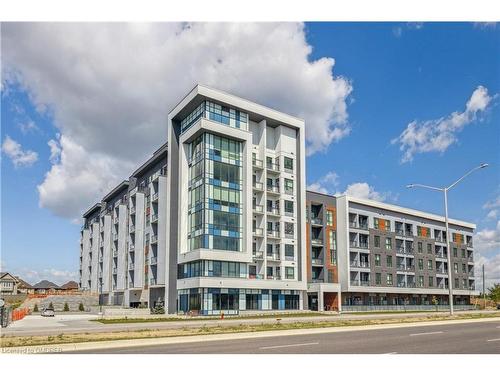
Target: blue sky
x=398, y=73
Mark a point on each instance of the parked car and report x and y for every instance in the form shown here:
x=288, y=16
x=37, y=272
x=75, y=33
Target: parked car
x=48, y=312
x=498, y=306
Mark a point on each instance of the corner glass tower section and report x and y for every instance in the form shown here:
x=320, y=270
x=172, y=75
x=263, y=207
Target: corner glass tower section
x=215, y=189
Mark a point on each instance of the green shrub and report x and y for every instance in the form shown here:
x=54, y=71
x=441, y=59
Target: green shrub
x=80, y=307
x=35, y=308
x=66, y=307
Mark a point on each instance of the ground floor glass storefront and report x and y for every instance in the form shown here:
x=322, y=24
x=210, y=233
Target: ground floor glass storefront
x=214, y=301
x=389, y=299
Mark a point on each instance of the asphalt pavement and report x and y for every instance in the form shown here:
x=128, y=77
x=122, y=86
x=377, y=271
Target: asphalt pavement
x=447, y=338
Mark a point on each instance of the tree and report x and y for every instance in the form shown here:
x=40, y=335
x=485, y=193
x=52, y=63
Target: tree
x=66, y=307
x=494, y=292
x=80, y=307
x=35, y=308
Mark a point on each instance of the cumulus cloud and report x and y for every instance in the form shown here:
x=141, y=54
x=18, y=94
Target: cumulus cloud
x=364, y=191
x=109, y=88
x=55, y=150
x=491, y=271
x=438, y=135
x=493, y=208
x=19, y=157
x=325, y=184
x=28, y=127
x=488, y=239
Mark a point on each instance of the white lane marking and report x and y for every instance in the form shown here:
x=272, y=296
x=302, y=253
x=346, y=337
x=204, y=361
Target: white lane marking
x=425, y=333
x=493, y=340
x=287, y=346
x=391, y=353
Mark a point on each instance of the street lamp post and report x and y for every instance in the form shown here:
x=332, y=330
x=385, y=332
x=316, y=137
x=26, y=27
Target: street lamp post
x=445, y=191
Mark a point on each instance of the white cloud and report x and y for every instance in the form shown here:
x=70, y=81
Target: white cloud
x=28, y=126
x=485, y=25
x=488, y=240
x=325, y=184
x=364, y=191
x=491, y=271
x=494, y=208
x=55, y=150
x=18, y=156
x=438, y=135
x=109, y=88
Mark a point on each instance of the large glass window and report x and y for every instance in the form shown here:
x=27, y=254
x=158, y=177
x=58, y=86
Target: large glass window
x=288, y=163
x=289, y=272
x=289, y=251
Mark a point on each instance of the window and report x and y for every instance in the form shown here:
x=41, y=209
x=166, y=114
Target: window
x=289, y=251
x=421, y=264
x=288, y=163
x=463, y=267
x=455, y=252
x=389, y=260
x=429, y=248
x=388, y=243
x=420, y=281
x=423, y=231
x=429, y=264
x=289, y=207
x=455, y=267
x=332, y=241
x=289, y=272
x=378, y=278
x=464, y=284
x=389, y=279
x=431, y=281
x=329, y=218
x=419, y=247
x=457, y=284
x=288, y=186
x=382, y=224
x=376, y=240
x=289, y=229
x=463, y=253
x=377, y=260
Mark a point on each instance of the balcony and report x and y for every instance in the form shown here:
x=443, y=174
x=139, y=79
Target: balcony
x=99, y=274
x=317, y=261
x=131, y=247
x=271, y=277
x=258, y=232
x=115, y=236
x=114, y=271
x=258, y=164
x=273, y=189
x=257, y=208
x=356, y=225
x=154, y=218
x=258, y=186
x=360, y=264
x=317, y=241
x=131, y=266
x=132, y=228
x=405, y=268
x=153, y=261
x=115, y=253
x=359, y=245
x=273, y=167
x=274, y=211
x=115, y=220
x=360, y=282
x=130, y=284
x=273, y=233
x=152, y=281
x=273, y=257
x=154, y=197
x=316, y=221
x=258, y=277
x=132, y=210
x=259, y=255
x=154, y=238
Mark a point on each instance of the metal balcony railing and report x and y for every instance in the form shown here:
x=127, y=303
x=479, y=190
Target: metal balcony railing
x=153, y=261
x=154, y=197
x=154, y=238
x=132, y=210
x=258, y=208
x=275, y=167
x=154, y=218
x=132, y=228
x=317, y=241
x=258, y=186
x=258, y=231
x=273, y=233
x=273, y=211
x=361, y=264
x=115, y=253
x=257, y=163
x=131, y=266
x=273, y=188
x=114, y=271
x=258, y=255
x=317, y=261
x=316, y=221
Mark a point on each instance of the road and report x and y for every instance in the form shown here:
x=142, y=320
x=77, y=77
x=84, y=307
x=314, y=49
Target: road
x=447, y=338
x=36, y=325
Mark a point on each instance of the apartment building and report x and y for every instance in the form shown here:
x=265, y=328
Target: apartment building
x=323, y=288
x=236, y=213
x=390, y=255
x=121, y=236
x=230, y=228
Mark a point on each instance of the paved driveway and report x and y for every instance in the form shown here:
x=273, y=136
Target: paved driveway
x=32, y=323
